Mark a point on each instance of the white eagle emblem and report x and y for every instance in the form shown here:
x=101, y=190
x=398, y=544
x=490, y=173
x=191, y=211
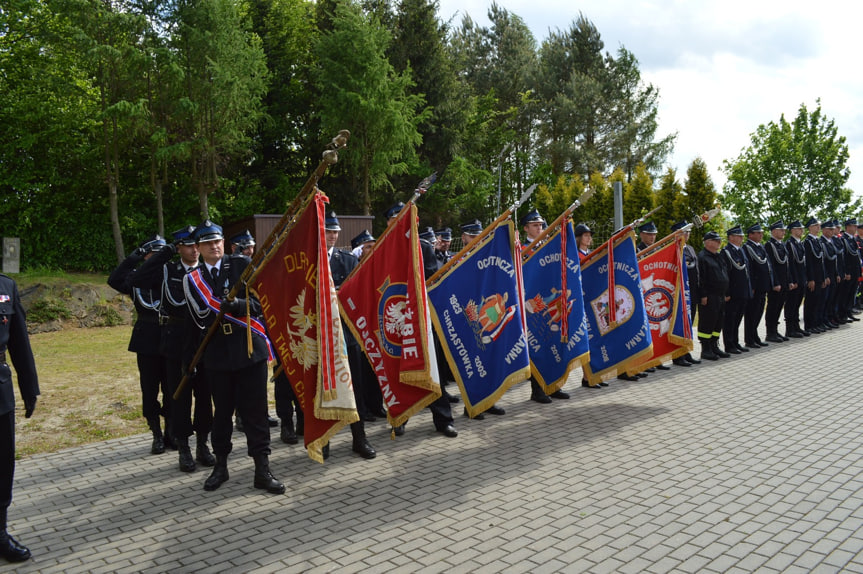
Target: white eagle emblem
x=303, y=348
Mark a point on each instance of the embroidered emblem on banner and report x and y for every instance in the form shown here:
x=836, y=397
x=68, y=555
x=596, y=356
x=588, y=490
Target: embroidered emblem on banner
x=625, y=306
x=488, y=318
x=551, y=307
x=303, y=347
x=394, y=317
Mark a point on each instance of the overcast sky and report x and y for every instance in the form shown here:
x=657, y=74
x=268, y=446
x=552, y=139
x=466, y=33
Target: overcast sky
x=722, y=68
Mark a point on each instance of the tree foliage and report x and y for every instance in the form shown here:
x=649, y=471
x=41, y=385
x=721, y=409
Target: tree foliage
x=791, y=170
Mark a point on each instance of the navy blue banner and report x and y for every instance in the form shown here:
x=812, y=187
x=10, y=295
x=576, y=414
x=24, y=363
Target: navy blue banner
x=557, y=330
x=623, y=337
x=477, y=312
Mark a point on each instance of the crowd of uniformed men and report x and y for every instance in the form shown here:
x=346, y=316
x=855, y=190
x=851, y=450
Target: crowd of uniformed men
x=178, y=287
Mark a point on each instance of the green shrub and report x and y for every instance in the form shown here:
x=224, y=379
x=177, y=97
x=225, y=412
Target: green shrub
x=47, y=309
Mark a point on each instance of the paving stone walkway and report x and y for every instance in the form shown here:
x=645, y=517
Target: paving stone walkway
x=750, y=464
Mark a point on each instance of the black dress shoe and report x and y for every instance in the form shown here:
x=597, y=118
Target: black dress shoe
x=733, y=350
x=784, y=338
x=584, y=383
x=805, y=333
x=602, y=384
x=478, y=417
x=794, y=334
x=288, y=435
x=399, y=430
x=641, y=375
x=651, y=370
x=449, y=431
x=743, y=349
x=495, y=410
x=559, y=395
x=452, y=398
x=681, y=362
x=761, y=343
x=11, y=550
x=364, y=449
x=663, y=368
x=775, y=338
x=691, y=359
x=626, y=377
x=541, y=399
x=272, y=421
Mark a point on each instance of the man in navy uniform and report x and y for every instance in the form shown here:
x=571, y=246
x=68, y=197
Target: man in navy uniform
x=762, y=282
x=178, y=342
x=145, y=343
x=739, y=290
x=646, y=235
x=776, y=297
x=243, y=244
x=834, y=269
x=816, y=278
x=852, y=270
x=796, y=281
x=341, y=264
x=532, y=223
x=238, y=380
x=15, y=341
x=444, y=240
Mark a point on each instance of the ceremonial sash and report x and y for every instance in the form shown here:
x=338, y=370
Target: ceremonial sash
x=384, y=304
x=664, y=280
x=299, y=301
x=477, y=308
x=557, y=331
x=202, y=288
x=624, y=340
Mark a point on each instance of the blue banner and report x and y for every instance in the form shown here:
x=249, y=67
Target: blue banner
x=477, y=312
x=557, y=331
x=621, y=337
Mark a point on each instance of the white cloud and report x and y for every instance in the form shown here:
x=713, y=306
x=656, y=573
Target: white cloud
x=722, y=67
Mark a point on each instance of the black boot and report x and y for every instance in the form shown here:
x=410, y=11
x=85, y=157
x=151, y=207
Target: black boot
x=264, y=479
x=170, y=441
x=187, y=463
x=219, y=474
x=707, y=351
x=361, y=445
x=202, y=452
x=10, y=549
x=288, y=435
x=158, y=446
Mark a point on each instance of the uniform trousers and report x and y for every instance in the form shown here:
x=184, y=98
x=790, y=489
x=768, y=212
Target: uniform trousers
x=711, y=317
x=753, y=313
x=153, y=375
x=244, y=391
x=7, y=457
x=734, y=309
x=812, y=306
x=775, y=302
x=828, y=306
x=181, y=408
x=792, y=308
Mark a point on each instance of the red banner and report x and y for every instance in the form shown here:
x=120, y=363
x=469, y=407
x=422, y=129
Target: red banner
x=300, y=306
x=663, y=283
x=384, y=303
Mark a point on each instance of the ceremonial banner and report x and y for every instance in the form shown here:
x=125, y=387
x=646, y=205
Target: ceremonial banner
x=477, y=312
x=619, y=333
x=665, y=286
x=384, y=303
x=298, y=298
x=557, y=331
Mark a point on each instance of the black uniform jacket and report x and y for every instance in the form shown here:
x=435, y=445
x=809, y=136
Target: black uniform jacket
x=760, y=271
x=712, y=274
x=227, y=350
x=738, y=273
x=815, y=270
x=179, y=336
x=779, y=261
x=15, y=343
x=146, y=332
x=796, y=261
